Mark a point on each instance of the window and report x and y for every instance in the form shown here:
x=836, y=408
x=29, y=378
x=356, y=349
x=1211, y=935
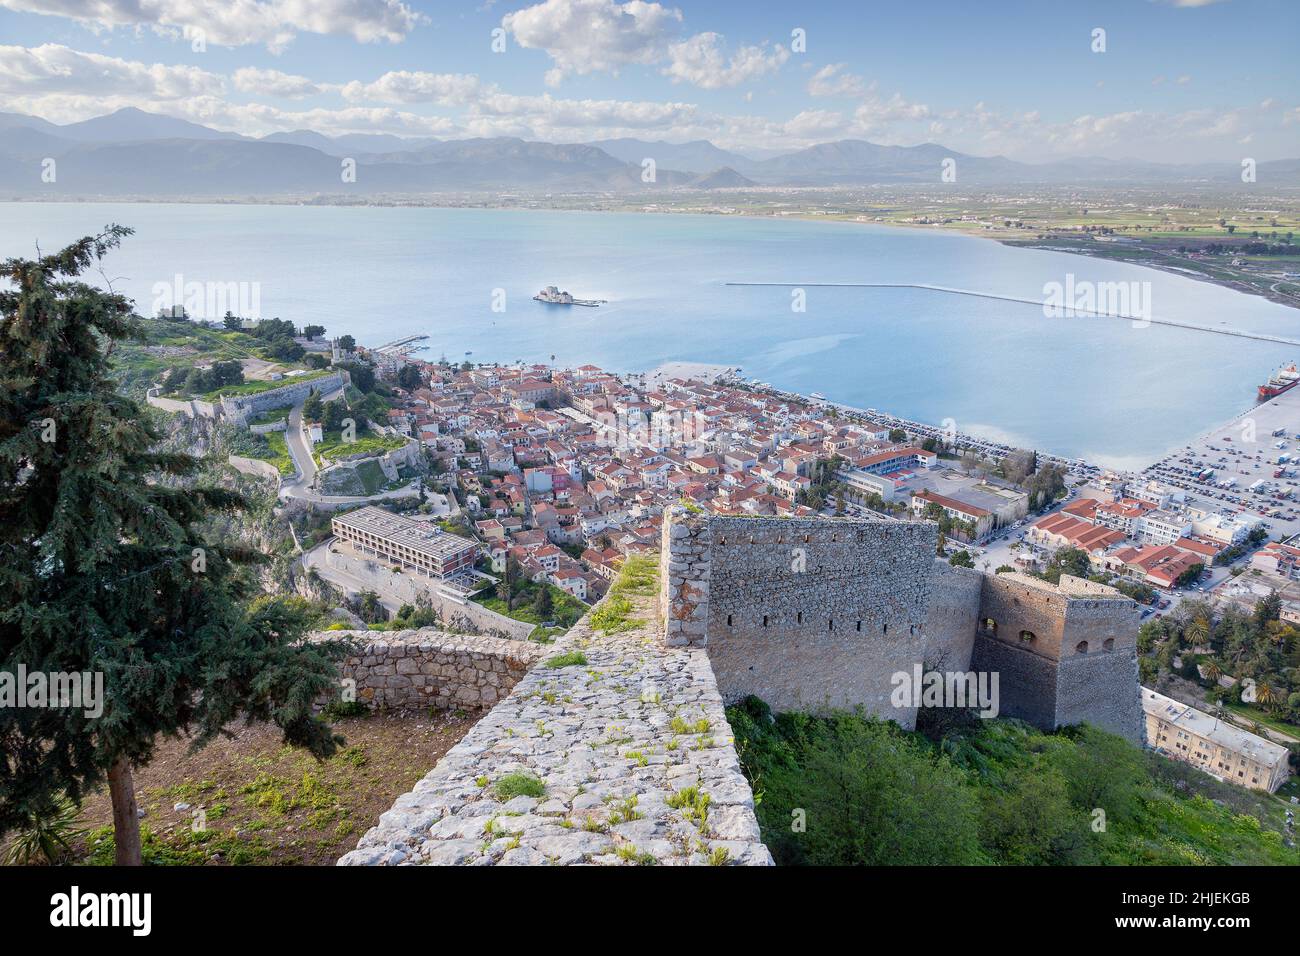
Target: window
x=728, y=620
x=1027, y=637
x=1108, y=644
x=765, y=620
x=859, y=627
x=799, y=619
x=1081, y=647
x=990, y=625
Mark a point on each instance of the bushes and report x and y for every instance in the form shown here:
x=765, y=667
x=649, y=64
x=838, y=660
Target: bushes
x=864, y=793
x=995, y=791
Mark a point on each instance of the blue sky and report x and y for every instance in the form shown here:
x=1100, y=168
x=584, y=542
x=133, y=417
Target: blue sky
x=1178, y=80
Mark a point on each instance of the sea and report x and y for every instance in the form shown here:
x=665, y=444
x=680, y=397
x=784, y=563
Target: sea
x=1117, y=392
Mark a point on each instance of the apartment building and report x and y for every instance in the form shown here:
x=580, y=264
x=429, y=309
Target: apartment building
x=1220, y=749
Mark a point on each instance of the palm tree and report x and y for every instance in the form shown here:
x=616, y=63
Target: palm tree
x=1197, y=631
x=1265, y=695
x=1212, y=670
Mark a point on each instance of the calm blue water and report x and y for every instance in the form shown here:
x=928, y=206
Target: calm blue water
x=1082, y=387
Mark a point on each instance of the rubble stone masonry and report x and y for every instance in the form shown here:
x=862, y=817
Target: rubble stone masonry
x=419, y=669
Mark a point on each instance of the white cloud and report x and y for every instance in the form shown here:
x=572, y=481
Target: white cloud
x=830, y=80
x=274, y=83
x=701, y=61
x=238, y=22
x=57, y=69
x=547, y=112
x=402, y=86
x=875, y=112
x=594, y=36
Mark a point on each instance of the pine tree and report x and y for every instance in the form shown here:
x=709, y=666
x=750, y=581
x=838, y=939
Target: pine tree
x=104, y=567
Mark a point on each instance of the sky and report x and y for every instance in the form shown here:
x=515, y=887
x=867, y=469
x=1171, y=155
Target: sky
x=1035, y=80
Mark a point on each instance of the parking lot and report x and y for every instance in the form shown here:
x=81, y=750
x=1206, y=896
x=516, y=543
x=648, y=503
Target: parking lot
x=1236, y=468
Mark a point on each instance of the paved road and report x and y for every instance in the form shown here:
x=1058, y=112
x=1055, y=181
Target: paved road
x=304, y=485
x=300, y=452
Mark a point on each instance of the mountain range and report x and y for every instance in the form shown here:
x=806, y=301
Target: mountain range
x=132, y=153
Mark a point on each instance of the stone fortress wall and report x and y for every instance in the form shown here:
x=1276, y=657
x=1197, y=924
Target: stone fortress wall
x=816, y=614
x=419, y=669
x=807, y=614
x=239, y=408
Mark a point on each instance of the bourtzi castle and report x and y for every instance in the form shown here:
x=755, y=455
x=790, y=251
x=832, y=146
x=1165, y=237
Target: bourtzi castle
x=623, y=734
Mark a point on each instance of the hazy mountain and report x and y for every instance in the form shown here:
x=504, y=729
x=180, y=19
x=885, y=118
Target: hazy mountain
x=697, y=156
x=853, y=161
x=131, y=124
x=724, y=178
x=302, y=137
x=12, y=120
x=238, y=167
x=134, y=153
x=350, y=144
x=24, y=142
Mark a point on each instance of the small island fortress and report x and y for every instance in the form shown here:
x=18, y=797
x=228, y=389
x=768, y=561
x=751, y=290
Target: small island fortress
x=554, y=296
x=622, y=736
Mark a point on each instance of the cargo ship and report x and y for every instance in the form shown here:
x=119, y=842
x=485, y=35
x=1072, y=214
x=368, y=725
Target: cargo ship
x=553, y=296
x=1283, y=379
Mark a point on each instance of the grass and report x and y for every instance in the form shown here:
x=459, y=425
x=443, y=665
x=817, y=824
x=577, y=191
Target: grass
x=693, y=803
x=255, y=801
x=1263, y=717
x=519, y=785
x=567, y=660
x=270, y=417
x=270, y=448
x=638, y=578
x=366, y=442
x=258, y=386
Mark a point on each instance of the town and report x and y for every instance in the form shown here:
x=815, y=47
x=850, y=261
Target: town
x=504, y=499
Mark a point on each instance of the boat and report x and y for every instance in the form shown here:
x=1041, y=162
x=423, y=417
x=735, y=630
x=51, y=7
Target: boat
x=1283, y=379
x=554, y=296
x=819, y=396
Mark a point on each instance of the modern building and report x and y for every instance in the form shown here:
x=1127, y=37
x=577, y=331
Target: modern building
x=957, y=510
x=418, y=545
x=1220, y=749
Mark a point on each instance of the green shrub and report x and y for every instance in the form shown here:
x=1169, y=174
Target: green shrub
x=570, y=659
x=519, y=785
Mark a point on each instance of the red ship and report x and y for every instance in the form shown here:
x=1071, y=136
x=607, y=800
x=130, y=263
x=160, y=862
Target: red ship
x=1284, y=378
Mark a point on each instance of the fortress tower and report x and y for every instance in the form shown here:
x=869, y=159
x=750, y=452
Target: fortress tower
x=1067, y=654
x=817, y=614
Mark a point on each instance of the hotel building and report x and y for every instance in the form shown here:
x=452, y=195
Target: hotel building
x=418, y=545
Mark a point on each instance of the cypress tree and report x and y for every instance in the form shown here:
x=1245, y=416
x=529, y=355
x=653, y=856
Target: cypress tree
x=104, y=567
